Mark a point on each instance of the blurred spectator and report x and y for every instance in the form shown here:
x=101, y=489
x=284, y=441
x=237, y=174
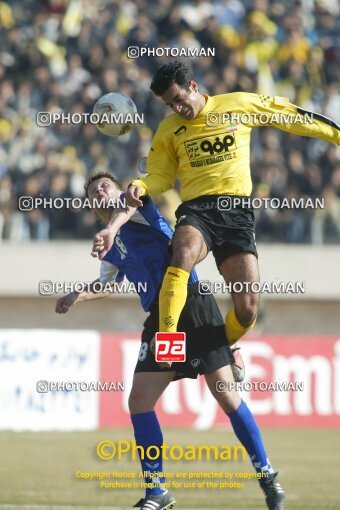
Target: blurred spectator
x=60, y=56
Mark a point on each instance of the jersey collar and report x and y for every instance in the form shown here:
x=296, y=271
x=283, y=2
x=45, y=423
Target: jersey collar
x=209, y=101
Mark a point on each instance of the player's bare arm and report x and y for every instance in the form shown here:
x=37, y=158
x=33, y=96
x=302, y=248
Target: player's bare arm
x=64, y=303
x=104, y=239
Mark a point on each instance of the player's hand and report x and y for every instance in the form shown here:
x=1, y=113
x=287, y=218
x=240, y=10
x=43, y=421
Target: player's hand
x=132, y=196
x=97, y=245
x=103, y=242
x=64, y=303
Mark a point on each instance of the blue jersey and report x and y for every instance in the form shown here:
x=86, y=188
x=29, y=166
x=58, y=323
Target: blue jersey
x=141, y=252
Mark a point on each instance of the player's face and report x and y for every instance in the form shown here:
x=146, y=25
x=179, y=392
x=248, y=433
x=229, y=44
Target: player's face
x=186, y=103
x=103, y=190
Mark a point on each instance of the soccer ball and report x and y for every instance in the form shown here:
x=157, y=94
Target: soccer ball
x=115, y=113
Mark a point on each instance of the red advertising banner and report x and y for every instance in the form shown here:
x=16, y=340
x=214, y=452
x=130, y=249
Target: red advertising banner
x=291, y=381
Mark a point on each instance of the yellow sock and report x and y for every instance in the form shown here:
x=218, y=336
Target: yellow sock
x=234, y=330
x=172, y=298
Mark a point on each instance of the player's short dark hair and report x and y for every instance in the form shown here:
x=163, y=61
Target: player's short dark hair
x=168, y=74
x=100, y=175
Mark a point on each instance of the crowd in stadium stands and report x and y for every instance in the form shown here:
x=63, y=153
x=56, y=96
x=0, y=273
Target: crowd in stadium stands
x=61, y=55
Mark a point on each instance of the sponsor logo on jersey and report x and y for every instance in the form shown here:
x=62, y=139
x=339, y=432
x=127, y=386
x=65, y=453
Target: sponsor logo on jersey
x=211, y=149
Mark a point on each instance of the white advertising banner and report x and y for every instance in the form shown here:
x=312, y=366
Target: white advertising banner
x=39, y=373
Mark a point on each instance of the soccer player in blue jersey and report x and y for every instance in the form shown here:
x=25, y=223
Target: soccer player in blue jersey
x=142, y=253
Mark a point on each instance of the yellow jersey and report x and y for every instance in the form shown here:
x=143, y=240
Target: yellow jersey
x=210, y=154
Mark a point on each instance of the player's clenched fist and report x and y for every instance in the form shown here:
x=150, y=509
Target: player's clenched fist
x=103, y=242
x=97, y=246
x=64, y=303
x=132, y=196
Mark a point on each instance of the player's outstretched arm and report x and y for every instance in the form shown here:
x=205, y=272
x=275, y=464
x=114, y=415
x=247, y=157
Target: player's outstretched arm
x=103, y=240
x=66, y=302
x=278, y=112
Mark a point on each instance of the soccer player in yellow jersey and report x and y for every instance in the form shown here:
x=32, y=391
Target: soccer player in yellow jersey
x=205, y=143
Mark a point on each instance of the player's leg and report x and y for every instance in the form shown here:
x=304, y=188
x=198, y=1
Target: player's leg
x=188, y=248
x=241, y=267
x=248, y=433
x=222, y=386
x=146, y=389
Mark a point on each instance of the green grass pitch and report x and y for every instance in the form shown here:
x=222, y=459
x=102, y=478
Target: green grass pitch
x=37, y=470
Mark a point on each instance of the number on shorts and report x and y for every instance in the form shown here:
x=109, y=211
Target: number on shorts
x=143, y=351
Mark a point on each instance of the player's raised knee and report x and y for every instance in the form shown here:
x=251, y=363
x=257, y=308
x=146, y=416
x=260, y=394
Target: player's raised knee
x=185, y=257
x=247, y=315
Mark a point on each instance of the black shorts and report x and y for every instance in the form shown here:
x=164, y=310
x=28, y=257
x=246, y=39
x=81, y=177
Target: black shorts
x=207, y=348
x=225, y=232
